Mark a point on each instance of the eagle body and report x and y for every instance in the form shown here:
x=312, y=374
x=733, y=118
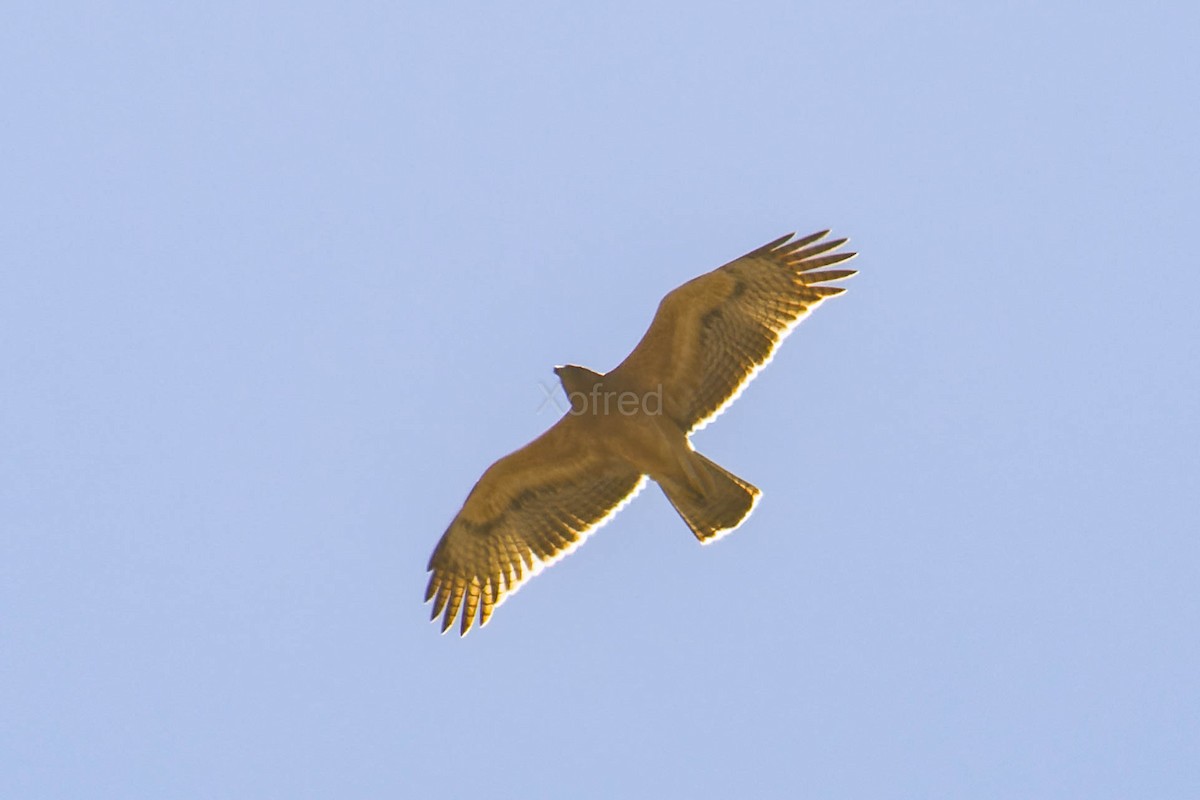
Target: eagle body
x=620, y=417
x=708, y=339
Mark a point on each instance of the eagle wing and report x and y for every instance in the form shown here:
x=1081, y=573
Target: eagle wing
x=713, y=334
x=529, y=509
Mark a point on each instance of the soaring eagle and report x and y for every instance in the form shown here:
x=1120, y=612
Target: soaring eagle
x=708, y=339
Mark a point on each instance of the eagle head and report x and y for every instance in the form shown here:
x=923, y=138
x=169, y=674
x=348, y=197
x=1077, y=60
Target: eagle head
x=576, y=380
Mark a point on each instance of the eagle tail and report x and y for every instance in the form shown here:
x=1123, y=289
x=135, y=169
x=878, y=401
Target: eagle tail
x=715, y=512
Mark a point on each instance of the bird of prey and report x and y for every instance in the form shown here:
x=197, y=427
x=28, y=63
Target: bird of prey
x=708, y=339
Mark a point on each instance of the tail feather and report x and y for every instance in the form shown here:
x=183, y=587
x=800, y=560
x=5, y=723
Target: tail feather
x=716, y=512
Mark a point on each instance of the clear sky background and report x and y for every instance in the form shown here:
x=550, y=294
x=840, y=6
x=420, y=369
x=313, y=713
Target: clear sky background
x=279, y=281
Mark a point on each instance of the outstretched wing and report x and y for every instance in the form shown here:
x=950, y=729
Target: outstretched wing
x=529, y=509
x=712, y=335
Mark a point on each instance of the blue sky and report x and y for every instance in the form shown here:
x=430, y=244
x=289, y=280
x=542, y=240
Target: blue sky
x=280, y=280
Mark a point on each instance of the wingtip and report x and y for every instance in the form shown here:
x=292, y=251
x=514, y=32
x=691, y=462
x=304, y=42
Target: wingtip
x=780, y=242
x=813, y=237
x=825, y=276
x=788, y=248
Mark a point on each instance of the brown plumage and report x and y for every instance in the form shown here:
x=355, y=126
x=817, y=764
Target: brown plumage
x=708, y=339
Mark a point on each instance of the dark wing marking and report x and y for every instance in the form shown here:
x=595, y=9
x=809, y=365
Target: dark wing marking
x=528, y=510
x=712, y=335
